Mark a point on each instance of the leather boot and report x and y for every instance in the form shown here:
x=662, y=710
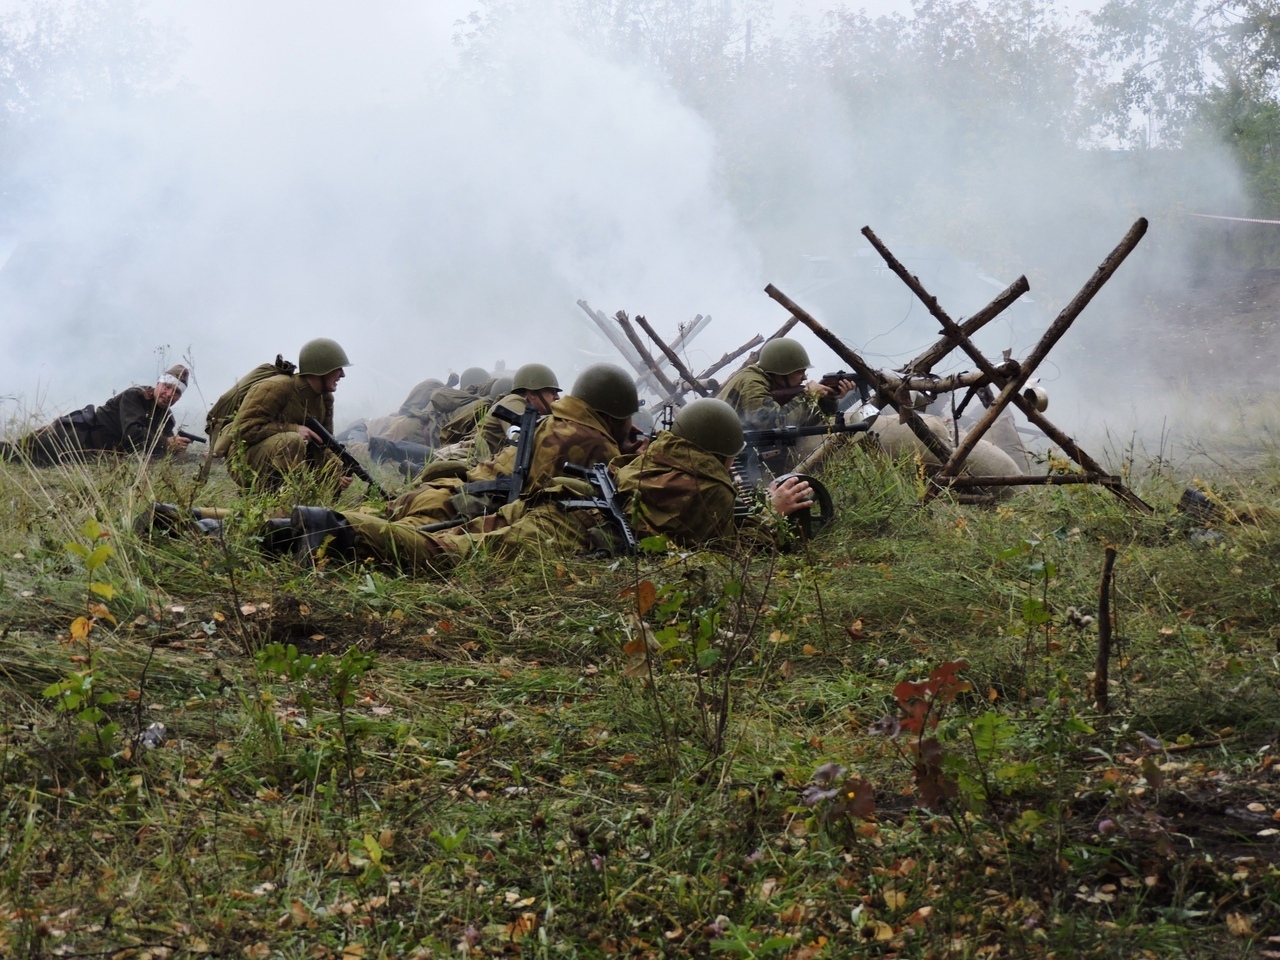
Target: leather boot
x=279, y=537
x=209, y=527
x=319, y=531
x=166, y=519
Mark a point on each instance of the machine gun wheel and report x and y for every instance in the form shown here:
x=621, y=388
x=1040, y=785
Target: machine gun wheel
x=811, y=522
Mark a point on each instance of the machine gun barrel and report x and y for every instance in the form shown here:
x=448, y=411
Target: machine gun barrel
x=348, y=460
x=788, y=436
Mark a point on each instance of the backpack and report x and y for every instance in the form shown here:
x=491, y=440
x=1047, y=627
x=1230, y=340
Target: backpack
x=226, y=407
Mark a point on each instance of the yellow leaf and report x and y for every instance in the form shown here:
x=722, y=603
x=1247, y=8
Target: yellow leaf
x=98, y=557
x=1239, y=925
x=80, y=627
x=353, y=951
x=105, y=590
x=893, y=899
x=810, y=650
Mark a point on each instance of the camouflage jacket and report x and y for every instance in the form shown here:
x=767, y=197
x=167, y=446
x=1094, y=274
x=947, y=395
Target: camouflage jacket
x=573, y=433
x=749, y=392
x=279, y=405
x=678, y=490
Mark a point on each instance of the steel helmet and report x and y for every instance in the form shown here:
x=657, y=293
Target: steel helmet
x=473, y=377
x=712, y=425
x=783, y=356
x=535, y=376
x=607, y=389
x=321, y=356
x=501, y=387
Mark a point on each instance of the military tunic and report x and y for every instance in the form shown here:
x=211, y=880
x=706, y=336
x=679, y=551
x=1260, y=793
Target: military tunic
x=749, y=391
x=265, y=431
x=491, y=434
x=573, y=433
x=673, y=489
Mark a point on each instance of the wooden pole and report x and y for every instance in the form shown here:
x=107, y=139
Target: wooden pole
x=730, y=357
x=647, y=358
x=1000, y=376
x=674, y=357
x=1051, y=336
x=926, y=361
x=1102, y=665
x=934, y=444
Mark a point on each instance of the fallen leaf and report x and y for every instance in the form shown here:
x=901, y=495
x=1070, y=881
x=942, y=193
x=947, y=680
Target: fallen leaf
x=1239, y=925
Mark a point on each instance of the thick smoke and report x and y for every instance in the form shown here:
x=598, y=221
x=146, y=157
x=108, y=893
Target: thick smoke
x=456, y=225
x=349, y=179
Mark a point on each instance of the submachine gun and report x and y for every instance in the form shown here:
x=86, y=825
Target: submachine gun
x=604, y=499
x=751, y=471
x=348, y=460
x=511, y=485
x=508, y=487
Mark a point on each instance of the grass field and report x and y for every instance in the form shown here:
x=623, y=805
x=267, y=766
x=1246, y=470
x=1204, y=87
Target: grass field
x=675, y=755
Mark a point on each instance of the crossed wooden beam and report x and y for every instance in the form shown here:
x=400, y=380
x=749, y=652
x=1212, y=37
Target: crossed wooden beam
x=1009, y=376
x=650, y=372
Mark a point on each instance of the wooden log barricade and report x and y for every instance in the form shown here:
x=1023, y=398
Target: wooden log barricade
x=1009, y=376
x=1011, y=385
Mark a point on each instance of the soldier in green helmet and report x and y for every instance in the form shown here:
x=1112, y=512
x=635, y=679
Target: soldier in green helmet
x=460, y=429
x=773, y=392
x=590, y=425
x=269, y=436
x=533, y=385
x=445, y=402
x=678, y=487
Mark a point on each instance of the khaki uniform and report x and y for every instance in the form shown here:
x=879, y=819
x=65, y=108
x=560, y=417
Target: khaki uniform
x=461, y=427
x=680, y=491
x=673, y=489
x=749, y=391
x=265, y=431
x=491, y=434
x=439, y=410
x=573, y=433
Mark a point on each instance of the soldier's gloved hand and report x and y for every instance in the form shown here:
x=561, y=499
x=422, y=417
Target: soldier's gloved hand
x=307, y=434
x=790, y=496
x=177, y=444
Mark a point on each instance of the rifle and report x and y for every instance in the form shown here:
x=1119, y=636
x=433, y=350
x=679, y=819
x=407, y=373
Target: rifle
x=606, y=500
x=787, y=394
x=511, y=485
x=348, y=461
x=193, y=437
